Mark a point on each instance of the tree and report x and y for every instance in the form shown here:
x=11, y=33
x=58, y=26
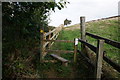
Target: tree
x=25, y=19
x=21, y=24
x=66, y=22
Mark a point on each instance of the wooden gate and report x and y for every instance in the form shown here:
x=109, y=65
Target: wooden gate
x=47, y=40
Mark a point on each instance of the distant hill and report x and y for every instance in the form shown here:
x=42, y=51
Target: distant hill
x=77, y=26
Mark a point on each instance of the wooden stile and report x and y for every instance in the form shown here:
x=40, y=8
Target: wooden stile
x=64, y=61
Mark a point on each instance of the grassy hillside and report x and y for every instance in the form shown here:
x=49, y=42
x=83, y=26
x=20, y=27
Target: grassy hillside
x=107, y=29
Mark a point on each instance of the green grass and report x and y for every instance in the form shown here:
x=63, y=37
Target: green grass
x=107, y=29
x=56, y=69
x=66, y=35
x=69, y=35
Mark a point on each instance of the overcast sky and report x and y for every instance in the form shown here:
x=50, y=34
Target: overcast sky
x=91, y=9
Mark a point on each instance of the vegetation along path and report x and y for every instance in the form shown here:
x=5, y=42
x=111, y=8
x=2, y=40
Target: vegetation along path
x=82, y=69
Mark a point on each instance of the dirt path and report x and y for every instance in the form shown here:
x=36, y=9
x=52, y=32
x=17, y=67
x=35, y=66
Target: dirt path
x=60, y=71
x=51, y=73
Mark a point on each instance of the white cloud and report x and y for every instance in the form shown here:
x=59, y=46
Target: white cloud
x=91, y=9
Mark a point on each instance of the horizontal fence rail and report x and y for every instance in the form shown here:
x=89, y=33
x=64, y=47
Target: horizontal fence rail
x=60, y=51
x=89, y=45
x=46, y=34
x=99, y=50
x=87, y=59
x=93, y=48
x=67, y=41
x=108, y=41
x=57, y=30
x=54, y=32
x=113, y=64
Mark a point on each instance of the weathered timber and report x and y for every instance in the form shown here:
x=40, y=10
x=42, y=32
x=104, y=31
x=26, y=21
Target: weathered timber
x=87, y=59
x=41, y=46
x=113, y=64
x=75, y=49
x=82, y=30
x=45, y=53
x=108, y=41
x=109, y=61
x=49, y=39
x=99, y=58
x=64, y=61
x=45, y=44
x=54, y=39
x=46, y=34
x=56, y=36
x=52, y=61
x=59, y=51
x=67, y=41
x=52, y=43
x=53, y=36
x=93, y=48
x=58, y=29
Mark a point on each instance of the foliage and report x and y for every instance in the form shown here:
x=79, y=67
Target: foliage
x=66, y=22
x=21, y=24
x=26, y=18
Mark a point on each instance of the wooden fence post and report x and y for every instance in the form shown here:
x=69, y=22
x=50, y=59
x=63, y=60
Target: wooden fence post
x=44, y=47
x=41, y=45
x=49, y=39
x=82, y=30
x=99, y=58
x=75, y=49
